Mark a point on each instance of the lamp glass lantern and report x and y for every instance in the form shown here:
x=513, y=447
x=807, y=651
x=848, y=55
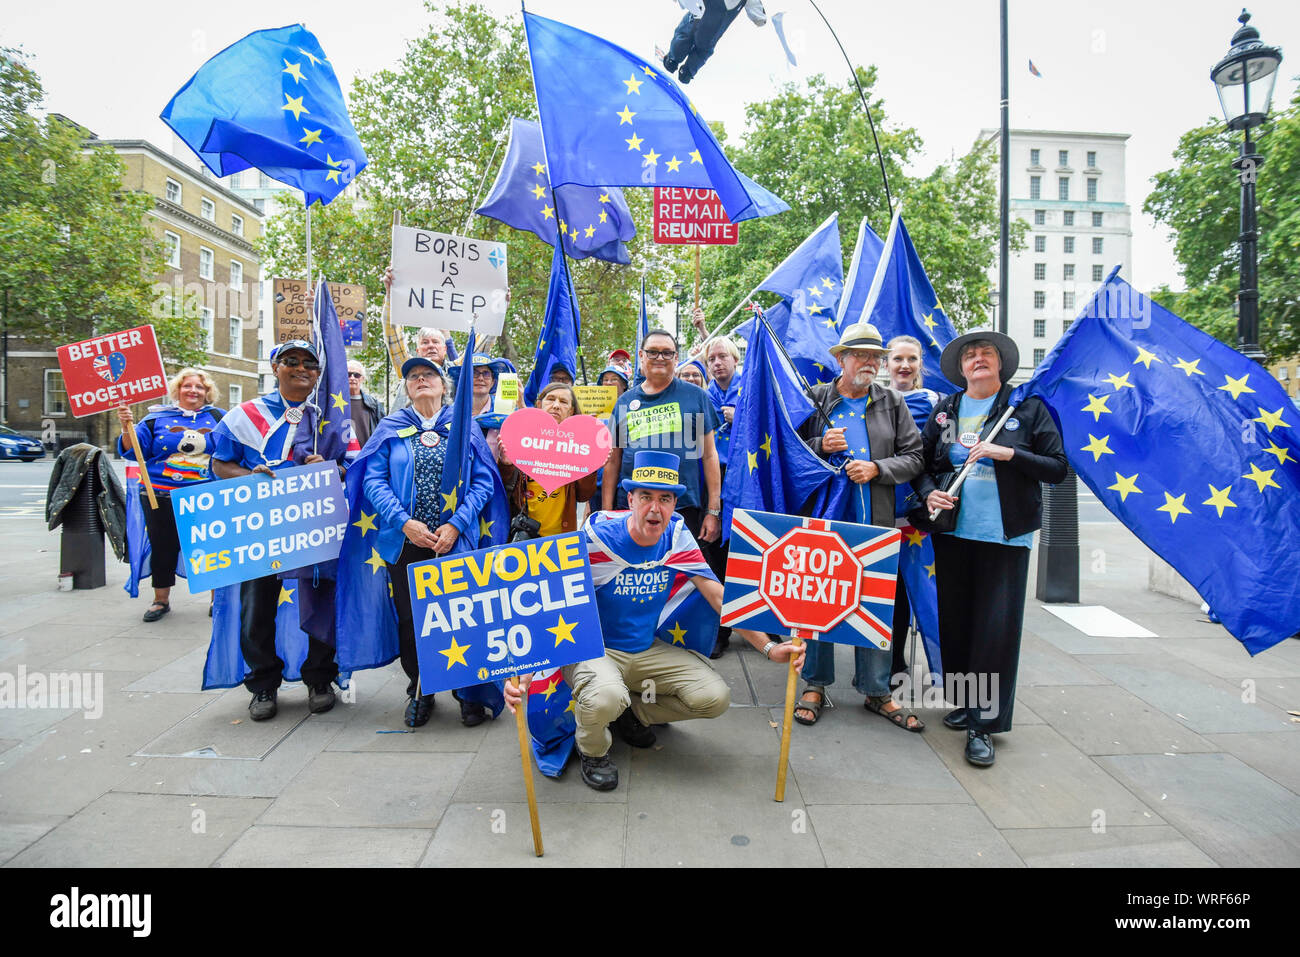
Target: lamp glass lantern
x=1244, y=78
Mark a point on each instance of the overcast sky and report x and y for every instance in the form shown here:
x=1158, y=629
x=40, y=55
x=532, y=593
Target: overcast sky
x=1129, y=66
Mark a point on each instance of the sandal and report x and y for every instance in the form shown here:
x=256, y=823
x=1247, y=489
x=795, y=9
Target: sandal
x=899, y=716
x=162, y=607
x=814, y=707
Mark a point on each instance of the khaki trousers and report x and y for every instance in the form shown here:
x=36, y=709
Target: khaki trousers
x=661, y=684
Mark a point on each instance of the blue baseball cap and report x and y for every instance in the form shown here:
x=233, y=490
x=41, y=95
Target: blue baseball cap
x=302, y=344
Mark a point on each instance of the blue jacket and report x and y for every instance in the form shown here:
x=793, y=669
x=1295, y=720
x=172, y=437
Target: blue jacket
x=390, y=481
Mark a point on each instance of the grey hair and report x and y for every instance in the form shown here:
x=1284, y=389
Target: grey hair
x=428, y=332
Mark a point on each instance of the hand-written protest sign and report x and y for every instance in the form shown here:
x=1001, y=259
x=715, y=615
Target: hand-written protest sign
x=684, y=215
x=514, y=609
x=292, y=319
x=244, y=528
x=597, y=400
x=112, y=370
x=444, y=281
x=554, y=454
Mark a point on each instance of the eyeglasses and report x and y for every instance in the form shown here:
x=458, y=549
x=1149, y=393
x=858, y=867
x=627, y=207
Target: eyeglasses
x=483, y=371
x=311, y=365
x=659, y=354
x=422, y=377
x=861, y=355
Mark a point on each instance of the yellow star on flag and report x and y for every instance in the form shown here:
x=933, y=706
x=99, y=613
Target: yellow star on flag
x=695, y=156
x=1096, y=405
x=647, y=71
x=930, y=322
x=375, y=562
x=333, y=175
x=538, y=192
x=1146, y=358
x=310, y=136
x=929, y=570
x=678, y=633
x=829, y=323
x=573, y=233
x=539, y=168
x=590, y=231
x=815, y=309
x=550, y=690
x=293, y=69
x=1219, y=499
x=563, y=631
x=1236, y=386
x=564, y=227
x=1261, y=477
x=366, y=523
x=310, y=56
x=449, y=501
x=1189, y=368
x=320, y=429
x=814, y=291
x=633, y=85
x=286, y=596
x=1174, y=506
x=767, y=444
x=548, y=212
x=673, y=165
x=624, y=115
x=753, y=460
x=485, y=527
x=634, y=143
x=1120, y=381
x=572, y=705
x=915, y=537
x=1097, y=446
x=455, y=654
x=826, y=281
x=338, y=401
x=1270, y=419
x=604, y=197
x=651, y=158
x=294, y=105
x=604, y=216
x=1125, y=485
x=1283, y=456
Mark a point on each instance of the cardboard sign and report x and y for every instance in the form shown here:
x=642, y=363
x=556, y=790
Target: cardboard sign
x=111, y=370
x=833, y=581
x=244, y=528
x=444, y=281
x=551, y=453
x=292, y=318
x=597, y=400
x=513, y=609
x=684, y=215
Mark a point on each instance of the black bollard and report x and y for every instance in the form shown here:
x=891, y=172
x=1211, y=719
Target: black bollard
x=1058, y=543
x=81, y=546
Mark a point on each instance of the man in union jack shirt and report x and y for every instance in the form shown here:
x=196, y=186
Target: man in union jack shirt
x=641, y=681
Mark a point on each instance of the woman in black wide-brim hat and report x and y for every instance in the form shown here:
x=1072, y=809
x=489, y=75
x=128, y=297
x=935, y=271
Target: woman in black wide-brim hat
x=982, y=564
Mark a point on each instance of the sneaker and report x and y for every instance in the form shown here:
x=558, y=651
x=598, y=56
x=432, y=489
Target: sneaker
x=263, y=706
x=320, y=698
x=633, y=731
x=418, y=710
x=599, y=773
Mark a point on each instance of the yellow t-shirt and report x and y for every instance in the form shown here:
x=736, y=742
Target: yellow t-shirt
x=546, y=509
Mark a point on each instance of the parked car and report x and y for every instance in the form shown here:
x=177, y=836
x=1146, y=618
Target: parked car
x=15, y=445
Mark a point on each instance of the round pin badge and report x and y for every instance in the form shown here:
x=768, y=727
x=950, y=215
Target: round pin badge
x=969, y=439
x=429, y=440
x=294, y=415
x=634, y=404
x=941, y=418
x=1012, y=425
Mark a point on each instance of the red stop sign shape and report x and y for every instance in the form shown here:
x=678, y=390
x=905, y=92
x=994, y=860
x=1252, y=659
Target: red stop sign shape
x=810, y=579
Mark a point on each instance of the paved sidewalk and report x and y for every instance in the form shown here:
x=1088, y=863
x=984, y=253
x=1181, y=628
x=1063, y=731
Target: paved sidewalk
x=1170, y=751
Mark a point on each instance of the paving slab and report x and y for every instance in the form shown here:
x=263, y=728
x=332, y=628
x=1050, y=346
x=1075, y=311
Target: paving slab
x=1108, y=720
x=573, y=835
x=1275, y=754
x=376, y=722
x=328, y=847
x=929, y=835
x=39, y=645
x=220, y=729
x=1234, y=813
x=495, y=774
x=1042, y=663
x=1228, y=658
x=138, y=655
x=184, y=675
x=123, y=830
x=1159, y=846
x=21, y=831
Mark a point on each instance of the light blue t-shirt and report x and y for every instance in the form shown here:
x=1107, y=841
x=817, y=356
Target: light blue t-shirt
x=980, y=516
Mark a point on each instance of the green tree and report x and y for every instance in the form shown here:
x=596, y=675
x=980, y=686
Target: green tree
x=1199, y=201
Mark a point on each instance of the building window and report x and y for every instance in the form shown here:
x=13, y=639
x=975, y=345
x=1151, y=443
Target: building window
x=1040, y=299
x=1067, y=300
x=172, y=243
x=1063, y=187
x=208, y=209
x=1064, y=157
x=1096, y=220
x=1092, y=190
x=1040, y=328
x=1069, y=244
x=1040, y=244
x=236, y=336
x=259, y=205
x=1035, y=187
x=1033, y=158
x=1092, y=159
x=236, y=395
x=1067, y=271
x=263, y=181
x=1096, y=245
x=1065, y=325
x=1039, y=355
x=261, y=349
x=237, y=224
x=205, y=326
x=237, y=277
x=173, y=191
x=1096, y=273
x=56, y=393
x=1067, y=218
x=205, y=262
x=1040, y=271
x=1040, y=217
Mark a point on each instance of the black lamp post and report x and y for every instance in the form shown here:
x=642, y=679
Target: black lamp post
x=1244, y=80
x=679, y=293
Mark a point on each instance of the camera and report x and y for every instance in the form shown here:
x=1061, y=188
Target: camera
x=522, y=528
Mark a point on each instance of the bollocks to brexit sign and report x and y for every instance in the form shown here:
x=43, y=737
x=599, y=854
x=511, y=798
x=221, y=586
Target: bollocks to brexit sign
x=513, y=609
x=243, y=528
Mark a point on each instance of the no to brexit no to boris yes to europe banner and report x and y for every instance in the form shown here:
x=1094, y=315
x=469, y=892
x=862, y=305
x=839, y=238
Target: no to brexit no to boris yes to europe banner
x=118, y=368
x=513, y=609
x=244, y=528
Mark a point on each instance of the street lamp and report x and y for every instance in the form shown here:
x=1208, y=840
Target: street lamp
x=679, y=293
x=1244, y=80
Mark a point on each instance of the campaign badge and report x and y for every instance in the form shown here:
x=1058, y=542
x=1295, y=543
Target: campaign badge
x=969, y=439
x=429, y=440
x=294, y=415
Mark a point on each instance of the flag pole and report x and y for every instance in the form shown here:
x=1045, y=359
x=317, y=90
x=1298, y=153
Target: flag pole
x=396, y=346
x=521, y=723
x=783, y=763
x=762, y=317
x=308, y=220
x=134, y=441
x=965, y=469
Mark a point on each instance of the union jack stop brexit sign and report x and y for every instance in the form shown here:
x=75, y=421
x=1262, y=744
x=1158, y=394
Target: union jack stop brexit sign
x=834, y=581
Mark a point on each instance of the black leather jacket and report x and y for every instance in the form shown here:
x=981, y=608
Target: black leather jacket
x=69, y=469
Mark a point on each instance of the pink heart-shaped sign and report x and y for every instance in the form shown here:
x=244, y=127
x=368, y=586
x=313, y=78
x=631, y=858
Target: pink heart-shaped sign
x=554, y=454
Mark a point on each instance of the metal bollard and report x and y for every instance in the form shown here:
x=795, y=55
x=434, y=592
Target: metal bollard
x=81, y=546
x=1058, y=543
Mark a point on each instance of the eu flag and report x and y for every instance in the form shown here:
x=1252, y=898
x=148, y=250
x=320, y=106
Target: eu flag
x=1191, y=445
x=595, y=221
x=862, y=270
x=328, y=430
x=456, y=467
x=557, y=343
x=610, y=118
x=902, y=303
x=642, y=330
x=271, y=101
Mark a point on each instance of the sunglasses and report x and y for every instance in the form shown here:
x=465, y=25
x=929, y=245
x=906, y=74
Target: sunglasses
x=356, y=375
x=311, y=365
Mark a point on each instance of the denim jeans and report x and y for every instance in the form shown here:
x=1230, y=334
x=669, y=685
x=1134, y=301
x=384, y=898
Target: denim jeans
x=871, y=667
x=694, y=40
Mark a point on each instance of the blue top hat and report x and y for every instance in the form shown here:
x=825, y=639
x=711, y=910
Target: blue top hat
x=656, y=471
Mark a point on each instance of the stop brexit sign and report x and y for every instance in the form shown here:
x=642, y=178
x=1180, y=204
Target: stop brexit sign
x=833, y=581
x=683, y=215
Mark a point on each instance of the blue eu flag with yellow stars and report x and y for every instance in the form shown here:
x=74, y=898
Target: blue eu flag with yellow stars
x=595, y=221
x=1191, y=445
x=610, y=118
x=902, y=302
x=557, y=343
x=862, y=271
x=271, y=101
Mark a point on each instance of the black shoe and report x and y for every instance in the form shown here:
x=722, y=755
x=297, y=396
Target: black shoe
x=599, y=773
x=320, y=698
x=633, y=731
x=684, y=76
x=719, y=647
x=263, y=706
x=670, y=64
x=956, y=719
x=472, y=713
x=979, y=748
x=418, y=710
x=153, y=614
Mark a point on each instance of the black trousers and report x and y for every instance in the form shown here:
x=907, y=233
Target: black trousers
x=981, y=613
x=259, y=599
x=402, y=603
x=164, y=543
x=902, y=621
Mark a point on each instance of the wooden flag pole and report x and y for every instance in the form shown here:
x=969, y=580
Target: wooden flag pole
x=525, y=748
x=396, y=345
x=139, y=460
x=790, y=680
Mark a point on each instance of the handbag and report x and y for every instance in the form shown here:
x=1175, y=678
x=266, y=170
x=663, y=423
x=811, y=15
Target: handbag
x=946, y=520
